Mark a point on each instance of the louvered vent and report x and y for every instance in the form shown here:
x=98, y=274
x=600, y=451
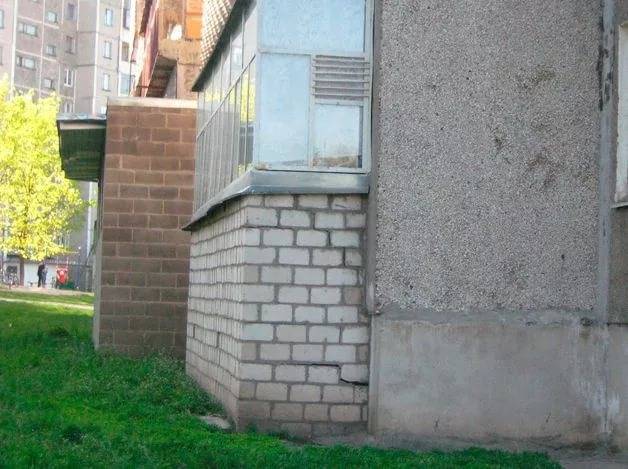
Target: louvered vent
x=340, y=78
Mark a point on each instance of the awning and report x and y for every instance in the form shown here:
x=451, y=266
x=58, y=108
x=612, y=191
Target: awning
x=81, y=145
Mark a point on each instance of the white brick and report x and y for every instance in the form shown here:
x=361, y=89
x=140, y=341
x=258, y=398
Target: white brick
x=345, y=413
x=274, y=351
x=342, y=277
x=272, y=392
x=254, y=255
x=329, y=220
x=278, y=237
x=252, y=237
x=325, y=296
x=338, y=394
x=252, y=200
x=327, y=257
x=290, y=373
x=247, y=390
x=261, y=216
x=255, y=409
x=276, y=313
x=298, y=256
x=305, y=393
x=309, y=276
x=313, y=201
x=353, y=258
x=294, y=218
x=361, y=394
x=363, y=353
x=345, y=238
x=250, y=312
x=340, y=353
x=293, y=295
x=279, y=200
x=249, y=351
x=356, y=220
x=311, y=238
x=288, y=412
x=257, y=331
x=255, y=372
x=259, y=293
x=311, y=314
x=354, y=373
x=291, y=333
x=307, y=353
x=352, y=295
x=342, y=314
x=324, y=334
x=346, y=202
x=276, y=274
x=323, y=374
x=316, y=412
x=355, y=335
x=250, y=274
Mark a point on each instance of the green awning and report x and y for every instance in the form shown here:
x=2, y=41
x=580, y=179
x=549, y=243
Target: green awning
x=81, y=145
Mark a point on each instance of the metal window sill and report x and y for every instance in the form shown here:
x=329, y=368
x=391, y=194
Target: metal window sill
x=283, y=182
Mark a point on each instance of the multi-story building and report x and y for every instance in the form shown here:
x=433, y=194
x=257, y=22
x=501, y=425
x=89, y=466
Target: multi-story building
x=78, y=49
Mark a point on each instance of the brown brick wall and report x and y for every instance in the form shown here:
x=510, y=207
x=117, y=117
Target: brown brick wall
x=147, y=198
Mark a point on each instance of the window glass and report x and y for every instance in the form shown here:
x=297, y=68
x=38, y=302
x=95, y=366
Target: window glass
x=125, y=52
x=250, y=115
x=337, y=136
x=48, y=83
x=107, y=49
x=108, y=17
x=68, y=79
x=284, y=107
x=51, y=50
x=125, y=84
x=321, y=25
x=226, y=72
x=105, y=82
x=236, y=54
x=70, y=11
x=51, y=17
x=69, y=45
x=1, y=19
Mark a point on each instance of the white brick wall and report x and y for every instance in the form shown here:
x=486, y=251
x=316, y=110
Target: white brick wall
x=276, y=321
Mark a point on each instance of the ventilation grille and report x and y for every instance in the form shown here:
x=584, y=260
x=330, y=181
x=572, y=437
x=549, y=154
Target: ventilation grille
x=340, y=78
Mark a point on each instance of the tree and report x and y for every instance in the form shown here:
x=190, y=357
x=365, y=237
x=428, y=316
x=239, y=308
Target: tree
x=38, y=205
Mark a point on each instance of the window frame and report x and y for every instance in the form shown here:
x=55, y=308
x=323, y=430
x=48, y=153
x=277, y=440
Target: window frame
x=51, y=83
x=68, y=77
x=1, y=18
x=53, y=48
x=23, y=27
x=106, y=82
x=107, y=52
x=108, y=17
x=70, y=7
x=56, y=17
x=72, y=44
x=21, y=59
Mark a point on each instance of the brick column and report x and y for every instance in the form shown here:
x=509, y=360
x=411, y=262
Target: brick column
x=148, y=192
x=276, y=325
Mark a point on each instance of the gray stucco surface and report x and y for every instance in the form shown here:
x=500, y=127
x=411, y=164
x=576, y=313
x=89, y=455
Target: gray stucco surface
x=489, y=116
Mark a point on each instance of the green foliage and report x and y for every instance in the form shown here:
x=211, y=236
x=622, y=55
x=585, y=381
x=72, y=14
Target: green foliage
x=37, y=203
x=64, y=405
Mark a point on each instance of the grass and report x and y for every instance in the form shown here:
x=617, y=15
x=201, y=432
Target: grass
x=64, y=405
x=74, y=299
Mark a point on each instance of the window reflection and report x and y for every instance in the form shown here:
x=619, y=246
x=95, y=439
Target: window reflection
x=337, y=136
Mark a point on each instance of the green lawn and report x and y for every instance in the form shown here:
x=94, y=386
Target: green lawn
x=74, y=299
x=63, y=405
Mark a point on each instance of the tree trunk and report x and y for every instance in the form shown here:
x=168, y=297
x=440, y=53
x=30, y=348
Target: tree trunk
x=21, y=271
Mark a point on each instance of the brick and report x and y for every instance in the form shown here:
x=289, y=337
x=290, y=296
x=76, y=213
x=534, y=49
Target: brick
x=250, y=312
x=352, y=295
x=345, y=238
x=287, y=412
x=291, y=333
x=148, y=206
x=340, y=353
x=324, y=334
x=323, y=374
x=355, y=335
x=258, y=293
x=296, y=256
x=313, y=201
x=309, y=276
x=255, y=372
x=149, y=177
x=305, y=393
x=257, y=331
x=254, y=409
x=296, y=218
x=182, y=150
x=309, y=314
x=338, y=393
x=253, y=255
x=275, y=351
x=354, y=373
x=275, y=274
x=250, y=274
x=307, y=353
x=311, y=238
x=247, y=390
x=342, y=277
x=281, y=201
x=345, y=413
x=327, y=257
x=360, y=394
x=278, y=237
x=133, y=191
x=356, y=220
x=342, y=314
x=271, y=392
x=293, y=295
x=180, y=178
x=290, y=373
x=261, y=216
x=151, y=120
x=164, y=193
x=350, y=202
x=163, y=221
x=251, y=237
x=166, y=135
x=316, y=412
x=353, y=258
x=276, y=313
x=325, y=296
x=329, y=220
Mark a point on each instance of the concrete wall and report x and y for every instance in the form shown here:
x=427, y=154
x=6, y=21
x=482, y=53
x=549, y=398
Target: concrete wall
x=276, y=327
x=495, y=265
x=147, y=198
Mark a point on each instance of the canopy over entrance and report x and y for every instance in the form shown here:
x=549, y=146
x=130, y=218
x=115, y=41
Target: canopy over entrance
x=81, y=145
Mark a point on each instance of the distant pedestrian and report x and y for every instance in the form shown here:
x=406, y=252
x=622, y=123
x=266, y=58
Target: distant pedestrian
x=41, y=274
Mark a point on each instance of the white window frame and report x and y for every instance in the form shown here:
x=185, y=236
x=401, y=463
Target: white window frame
x=107, y=49
x=49, y=83
x=50, y=48
x=68, y=77
x=123, y=57
x=27, y=28
x=67, y=106
x=106, y=82
x=23, y=60
x=108, y=17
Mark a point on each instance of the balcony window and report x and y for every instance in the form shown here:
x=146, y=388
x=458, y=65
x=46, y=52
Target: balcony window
x=25, y=62
x=288, y=88
x=51, y=50
x=108, y=17
x=27, y=28
x=124, y=54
